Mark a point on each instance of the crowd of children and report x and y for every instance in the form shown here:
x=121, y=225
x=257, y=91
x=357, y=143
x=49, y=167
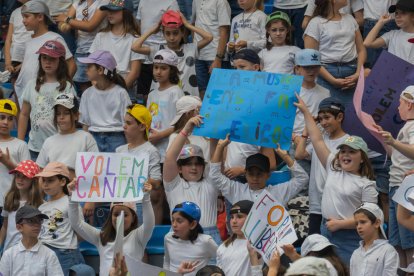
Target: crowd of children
x=134, y=82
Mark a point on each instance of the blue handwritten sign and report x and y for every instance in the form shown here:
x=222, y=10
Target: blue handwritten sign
x=254, y=107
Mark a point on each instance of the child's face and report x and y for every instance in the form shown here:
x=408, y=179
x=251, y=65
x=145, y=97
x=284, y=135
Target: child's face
x=131, y=128
x=6, y=124
x=237, y=222
x=49, y=64
x=309, y=73
x=246, y=4
x=161, y=72
x=115, y=17
x=173, y=36
x=365, y=228
x=404, y=19
x=128, y=216
x=405, y=109
x=93, y=72
x=350, y=159
x=53, y=186
x=182, y=226
x=30, y=228
x=256, y=178
x=278, y=32
x=64, y=120
x=22, y=182
x=241, y=64
x=31, y=21
x=328, y=121
x=192, y=171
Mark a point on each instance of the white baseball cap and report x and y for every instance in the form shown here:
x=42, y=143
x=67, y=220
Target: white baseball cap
x=166, y=56
x=309, y=266
x=66, y=100
x=185, y=104
x=409, y=90
x=314, y=242
x=376, y=211
x=409, y=268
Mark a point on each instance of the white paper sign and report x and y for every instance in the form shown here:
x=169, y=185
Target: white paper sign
x=137, y=268
x=268, y=226
x=405, y=193
x=119, y=238
x=110, y=177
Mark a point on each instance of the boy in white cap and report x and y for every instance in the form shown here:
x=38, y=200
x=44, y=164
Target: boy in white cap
x=402, y=158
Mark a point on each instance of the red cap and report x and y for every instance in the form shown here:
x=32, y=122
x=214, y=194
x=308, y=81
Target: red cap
x=171, y=19
x=27, y=167
x=52, y=48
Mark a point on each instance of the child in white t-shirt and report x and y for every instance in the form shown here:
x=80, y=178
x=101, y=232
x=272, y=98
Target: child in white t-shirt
x=103, y=105
x=279, y=55
x=162, y=101
x=24, y=190
x=187, y=241
x=397, y=41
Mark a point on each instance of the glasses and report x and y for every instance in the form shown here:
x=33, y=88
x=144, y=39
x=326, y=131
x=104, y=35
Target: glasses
x=32, y=221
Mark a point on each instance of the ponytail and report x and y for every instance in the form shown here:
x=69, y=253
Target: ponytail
x=115, y=78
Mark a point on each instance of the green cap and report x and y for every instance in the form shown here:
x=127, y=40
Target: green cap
x=278, y=15
x=356, y=143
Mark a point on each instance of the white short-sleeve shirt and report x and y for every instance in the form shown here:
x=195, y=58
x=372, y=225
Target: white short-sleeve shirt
x=279, y=59
x=397, y=43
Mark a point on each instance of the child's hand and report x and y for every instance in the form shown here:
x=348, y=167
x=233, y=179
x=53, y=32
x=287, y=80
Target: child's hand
x=5, y=157
x=119, y=267
x=333, y=225
x=274, y=261
x=384, y=19
x=59, y=18
x=88, y=208
x=230, y=47
x=282, y=153
x=195, y=121
x=147, y=187
x=187, y=266
x=156, y=28
x=71, y=186
x=290, y=252
x=300, y=104
x=224, y=143
x=154, y=137
x=184, y=19
x=234, y=172
x=387, y=136
x=240, y=45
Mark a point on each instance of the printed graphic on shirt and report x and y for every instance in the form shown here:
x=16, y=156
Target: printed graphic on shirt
x=55, y=221
x=44, y=112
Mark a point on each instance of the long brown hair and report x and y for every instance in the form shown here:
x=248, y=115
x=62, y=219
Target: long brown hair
x=62, y=75
x=108, y=232
x=288, y=40
x=365, y=169
x=12, y=200
x=129, y=23
x=113, y=76
x=323, y=8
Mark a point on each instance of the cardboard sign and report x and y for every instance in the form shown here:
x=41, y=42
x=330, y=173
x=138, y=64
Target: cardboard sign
x=254, y=107
x=268, y=226
x=138, y=268
x=405, y=193
x=110, y=177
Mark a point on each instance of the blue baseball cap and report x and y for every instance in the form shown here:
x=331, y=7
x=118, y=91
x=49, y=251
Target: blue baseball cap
x=308, y=57
x=331, y=103
x=247, y=54
x=118, y=5
x=189, y=208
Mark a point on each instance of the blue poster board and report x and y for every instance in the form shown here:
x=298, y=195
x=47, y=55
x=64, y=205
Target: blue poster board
x=254, y=107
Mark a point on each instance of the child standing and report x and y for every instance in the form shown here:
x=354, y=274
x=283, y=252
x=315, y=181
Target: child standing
x=57, y=232
x=12, y=150
x=279, y=55
x=42, y=260
x=397, y=41
x=187, y=241
x=232, y=256
x=349, y=182
x=39, y=95
x=162, y=101
x=103, y=107
x=174, y=28
x=117, y=37
x=24, y=190
x=375, y=256
x=248, y=28
x=402, y=158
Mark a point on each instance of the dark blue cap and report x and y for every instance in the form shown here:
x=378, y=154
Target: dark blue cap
x=118, y=5
x=331, y=103
x=247, y=54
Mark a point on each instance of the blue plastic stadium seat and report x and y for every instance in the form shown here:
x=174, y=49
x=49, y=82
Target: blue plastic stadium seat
x=156, y=244
x=278, y=177
x=88, y=249
x=268, y=6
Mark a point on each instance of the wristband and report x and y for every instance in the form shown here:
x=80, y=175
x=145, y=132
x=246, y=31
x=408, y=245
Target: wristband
x=220, y=57
x=68, y=19
x=183, y=133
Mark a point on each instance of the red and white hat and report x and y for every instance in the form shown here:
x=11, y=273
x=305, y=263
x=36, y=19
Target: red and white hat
x=27, y=167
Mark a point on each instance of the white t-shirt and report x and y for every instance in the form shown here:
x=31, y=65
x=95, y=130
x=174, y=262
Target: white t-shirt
x=352, y=6
x=235, y=191
x=336, y=38
x=290, y=4
x=20, y=35
x=312, y=98
x=203, y=193
x=18, y=151
x=186, y=65
x=56, y=7
x=57, y=230
x=202, y=142
x=30, y=63
x=154, y=168
x=120, y=48
x=397, y=43
x=36, y=261
x=234, y=259
x=317, y=177
x=400, y=163
x=210, y=15
x=237, y=154
x=161, y=104
x=279, y=59
x=134, y=243
x=63, y=148
x=42, y=112
x=374, y=9
x=345, y=192
x=176, y=251
x=250, y=27
x=104, y=110
x=13, y=236
x=84, y=39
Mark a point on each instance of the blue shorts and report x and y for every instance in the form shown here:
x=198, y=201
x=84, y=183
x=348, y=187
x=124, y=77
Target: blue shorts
x=382, y=173
x=398, y=235
x=80, y=75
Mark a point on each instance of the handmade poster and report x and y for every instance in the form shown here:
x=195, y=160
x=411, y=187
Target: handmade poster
x=110, y=177
x=405, y=193
x=119, y=238
x=254, y=107
x=138, y=268
x=382, y=89
x=268, y=226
